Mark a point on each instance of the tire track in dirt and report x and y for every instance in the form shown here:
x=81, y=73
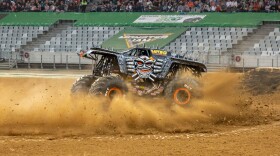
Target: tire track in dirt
x=235, y=132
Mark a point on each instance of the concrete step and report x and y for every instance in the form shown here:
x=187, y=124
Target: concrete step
x=57, y=29
x=253, y=38
x=6, y=65
x=4, y=68
x=37, y=43
x=48, y=37
x=215, y=67
x=32, y=45
x=262, y=33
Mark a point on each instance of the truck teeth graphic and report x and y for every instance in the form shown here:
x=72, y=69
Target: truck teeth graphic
x=144, y=67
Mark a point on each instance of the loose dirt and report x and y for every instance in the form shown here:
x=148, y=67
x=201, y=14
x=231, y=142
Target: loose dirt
x=262, y=81
x=38, y=116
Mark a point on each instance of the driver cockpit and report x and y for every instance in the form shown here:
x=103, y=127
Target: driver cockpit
x=140, y=52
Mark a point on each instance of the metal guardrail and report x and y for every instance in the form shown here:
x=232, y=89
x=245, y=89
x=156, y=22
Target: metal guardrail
x=48, y=60
x=66, y=59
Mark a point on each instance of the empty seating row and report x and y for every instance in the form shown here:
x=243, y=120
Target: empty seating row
x=221, y=29
x=269, y=46
x=77, y=38
x=205, y=33
x=208, y=38
x=43, y=28
x=95, y=28
x=13, y=37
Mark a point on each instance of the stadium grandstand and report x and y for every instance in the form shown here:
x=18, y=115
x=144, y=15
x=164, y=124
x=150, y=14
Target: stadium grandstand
x=230, y=37
x=141, y=6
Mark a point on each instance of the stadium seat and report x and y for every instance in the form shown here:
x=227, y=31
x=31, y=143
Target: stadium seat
x=267, y=46
x=213, y=38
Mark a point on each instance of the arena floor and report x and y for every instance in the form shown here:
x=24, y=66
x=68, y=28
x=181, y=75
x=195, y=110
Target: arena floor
x=238, y=115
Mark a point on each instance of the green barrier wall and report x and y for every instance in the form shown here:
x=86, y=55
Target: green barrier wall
x=117, y=42
x=126, y=19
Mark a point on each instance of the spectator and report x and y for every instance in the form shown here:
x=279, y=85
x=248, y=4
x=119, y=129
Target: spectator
x=43, y=4
x=7, y=7
x=142, y=5
x=218, y=8
x=267, y=8
x=19, y=7
x=1, y=7
x=155, y=5
x=242, y=7
x=197, y=6
x=205, y=8
x=47, y=7
x=256, y=7
x=61, y=7
x=13, y=6
x=83, y=5
x=129, y=7
x=213, y=7
x=229, y=6
x=234, y=5
x=76, y=6
x=273, y=5
x=170, y=7
x=250, y=7
x=181, y=8
x=122, y=8
x=261, y=4
x=52, y=7
x=139, y=7
x=223, y=7
x=164, y=7
x=190, y=4
x=118, y=5
x=149, y=5
x=93, y=8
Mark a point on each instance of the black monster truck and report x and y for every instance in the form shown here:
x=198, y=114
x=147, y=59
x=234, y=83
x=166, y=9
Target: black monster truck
x=143, y=71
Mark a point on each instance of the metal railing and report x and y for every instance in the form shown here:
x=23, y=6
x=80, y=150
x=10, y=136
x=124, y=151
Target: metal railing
x=53, y=59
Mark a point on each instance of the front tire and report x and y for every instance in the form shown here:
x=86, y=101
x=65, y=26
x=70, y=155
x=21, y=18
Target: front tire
x=182, y=91
x=82, y=84
x=108, y=86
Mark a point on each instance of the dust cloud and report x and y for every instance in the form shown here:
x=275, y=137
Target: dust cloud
x=31, y=106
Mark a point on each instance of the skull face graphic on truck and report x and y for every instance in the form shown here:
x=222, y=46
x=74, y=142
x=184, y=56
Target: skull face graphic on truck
x=144, y=68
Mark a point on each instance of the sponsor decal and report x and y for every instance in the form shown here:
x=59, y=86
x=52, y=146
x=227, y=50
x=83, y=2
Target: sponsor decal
x=169, y=18
x=159, y=52
x=133, y=40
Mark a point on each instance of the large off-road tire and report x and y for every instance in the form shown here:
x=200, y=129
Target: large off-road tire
x=183, y=91
x=108, y=86
x=82, y=84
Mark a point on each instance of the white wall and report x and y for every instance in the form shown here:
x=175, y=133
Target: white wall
x=258, y=61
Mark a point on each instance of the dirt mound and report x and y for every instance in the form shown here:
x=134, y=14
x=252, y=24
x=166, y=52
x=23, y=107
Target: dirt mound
x=44, y=106
x=262, y=81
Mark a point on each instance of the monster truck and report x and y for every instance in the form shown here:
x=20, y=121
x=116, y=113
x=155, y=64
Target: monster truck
x=142, y=71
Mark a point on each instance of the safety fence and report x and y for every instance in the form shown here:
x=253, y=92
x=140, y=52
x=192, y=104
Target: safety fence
x=43, y=59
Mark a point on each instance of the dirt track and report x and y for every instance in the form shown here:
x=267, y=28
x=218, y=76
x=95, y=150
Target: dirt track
x=39, y=117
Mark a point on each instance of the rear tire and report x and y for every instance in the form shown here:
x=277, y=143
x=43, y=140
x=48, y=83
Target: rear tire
x=183, y=91
x=83, y=84
x=108, y=86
